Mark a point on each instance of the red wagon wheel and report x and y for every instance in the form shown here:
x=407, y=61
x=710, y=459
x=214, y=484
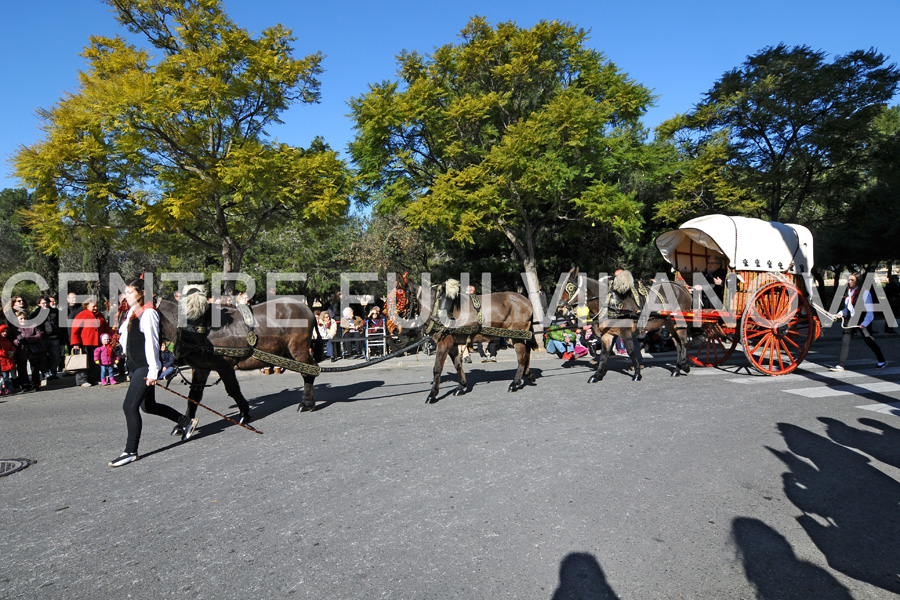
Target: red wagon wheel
x=716, y=345
x=777, y=328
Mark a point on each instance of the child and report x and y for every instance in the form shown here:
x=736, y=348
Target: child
x=7, y=361
x=168, y=363
x=105, y=356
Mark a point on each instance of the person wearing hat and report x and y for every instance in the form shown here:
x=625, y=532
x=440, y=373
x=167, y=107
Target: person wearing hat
x=106, y=358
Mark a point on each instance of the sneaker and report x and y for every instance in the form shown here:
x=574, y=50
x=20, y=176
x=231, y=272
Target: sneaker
x=467, y=359
x=190, y=429
x=124, y=459
x=567, y=356
x=86, y=384
x=837, y=368
x=881, y=365
x=493, y=359
x=484, y=360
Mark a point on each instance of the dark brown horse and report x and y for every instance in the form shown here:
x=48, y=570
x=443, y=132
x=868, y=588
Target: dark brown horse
x=204, y=327
x=502, y=310
x=664, y=296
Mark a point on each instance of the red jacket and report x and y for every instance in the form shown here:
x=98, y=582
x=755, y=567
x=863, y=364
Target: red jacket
x=87, y=328
x=7, y=352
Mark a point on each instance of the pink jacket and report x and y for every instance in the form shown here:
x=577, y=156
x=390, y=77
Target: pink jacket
x=104, y=354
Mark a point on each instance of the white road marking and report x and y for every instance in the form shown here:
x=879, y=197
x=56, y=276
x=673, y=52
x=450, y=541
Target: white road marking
x=878, y=387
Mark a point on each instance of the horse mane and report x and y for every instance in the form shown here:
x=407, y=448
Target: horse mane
x=193, y=301
x=451, y=288
x=623, y=282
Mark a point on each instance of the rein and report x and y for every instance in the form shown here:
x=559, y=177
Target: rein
x=212, y=411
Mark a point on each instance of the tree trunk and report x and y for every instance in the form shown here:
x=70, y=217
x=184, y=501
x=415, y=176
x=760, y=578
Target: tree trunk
x=525, y=249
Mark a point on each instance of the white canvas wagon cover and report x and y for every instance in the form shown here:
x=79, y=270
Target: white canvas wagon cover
x=748, y=244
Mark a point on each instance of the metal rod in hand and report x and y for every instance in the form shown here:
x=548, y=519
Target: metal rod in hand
x=211, y=410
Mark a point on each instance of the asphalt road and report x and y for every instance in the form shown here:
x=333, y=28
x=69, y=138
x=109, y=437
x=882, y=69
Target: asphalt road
x=721, y=484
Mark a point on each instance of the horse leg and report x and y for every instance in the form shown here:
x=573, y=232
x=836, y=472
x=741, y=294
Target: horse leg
x=634, y=353
x=457, y=358
x=605, y=345
x=520, y=367
x=440, y=355
x=682, y=350
x=300, y=348
x=526, y=373
x=680, y=337
x=308, y=403
x=233, y=389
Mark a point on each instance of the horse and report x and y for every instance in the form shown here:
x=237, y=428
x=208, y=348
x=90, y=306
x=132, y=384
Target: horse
x=217, y=338
x=606, y=329
x=507, y=311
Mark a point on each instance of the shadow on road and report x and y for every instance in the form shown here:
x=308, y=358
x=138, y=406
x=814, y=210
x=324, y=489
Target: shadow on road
x=582, y=578
x=851, y=510
x=775, y=571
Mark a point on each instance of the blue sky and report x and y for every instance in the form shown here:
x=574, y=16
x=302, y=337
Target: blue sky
x=678, y=49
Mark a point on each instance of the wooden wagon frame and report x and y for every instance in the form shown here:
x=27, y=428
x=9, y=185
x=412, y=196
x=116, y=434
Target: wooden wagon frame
x=766, y=304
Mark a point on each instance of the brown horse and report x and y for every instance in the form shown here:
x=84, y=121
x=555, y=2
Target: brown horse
x=204, y=327
x=501, y=310
x=663, y=296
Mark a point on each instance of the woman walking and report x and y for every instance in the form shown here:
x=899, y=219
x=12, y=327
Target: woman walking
x=139, y=336
x=851, y=305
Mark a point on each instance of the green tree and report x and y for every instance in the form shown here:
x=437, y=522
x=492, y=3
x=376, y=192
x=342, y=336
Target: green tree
x=521, y=131
x=176, y=143
x=790, y=127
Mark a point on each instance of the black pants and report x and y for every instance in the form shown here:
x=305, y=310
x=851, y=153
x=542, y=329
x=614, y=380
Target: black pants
x=493, y=345
x=143, y=396
x=849, y=332
x=92, y=374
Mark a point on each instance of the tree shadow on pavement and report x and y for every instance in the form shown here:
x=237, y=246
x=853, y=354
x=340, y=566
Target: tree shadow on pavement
x=851, y=510
x=582, y=578
x=773, y=568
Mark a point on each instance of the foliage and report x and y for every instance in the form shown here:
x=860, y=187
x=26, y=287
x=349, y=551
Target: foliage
x=176, y=144
x=788, y=127
x=521, y=131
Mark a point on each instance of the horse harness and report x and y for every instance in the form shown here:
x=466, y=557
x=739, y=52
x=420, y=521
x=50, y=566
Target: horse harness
x=436, y=326
x=201, y=327
x=613, y=308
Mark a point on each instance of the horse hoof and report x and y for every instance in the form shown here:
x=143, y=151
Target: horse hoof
x=531, y=377
x=513, y=387
x=637, y=377
x=430, y=400
x=306, y=408
x=459, y=391
x=593, y=379
x=245, y=418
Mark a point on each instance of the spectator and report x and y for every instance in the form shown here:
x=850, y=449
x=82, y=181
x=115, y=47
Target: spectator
x=7, y=362
x=328, y=331
x=10, y=310
x=167, y=360
x=52, y=333
x=105, y=357
x=353, y=328
x=87, y=327
x=31, y=352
